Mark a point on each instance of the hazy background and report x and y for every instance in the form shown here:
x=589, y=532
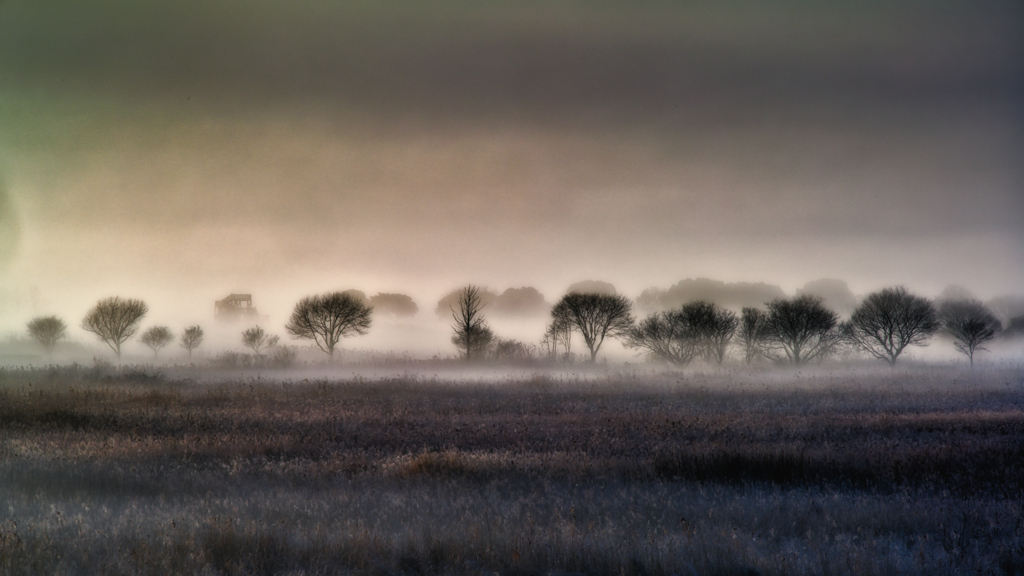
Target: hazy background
x=177, y=151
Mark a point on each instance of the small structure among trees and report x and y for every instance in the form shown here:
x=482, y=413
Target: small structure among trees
x=328, y=318
x=234, y=308
x=47, y=330
x=115, y=320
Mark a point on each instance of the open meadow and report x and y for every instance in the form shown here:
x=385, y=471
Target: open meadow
x=916, y=470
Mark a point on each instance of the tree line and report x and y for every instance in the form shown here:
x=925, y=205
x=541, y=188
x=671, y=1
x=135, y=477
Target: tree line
x=795, y=330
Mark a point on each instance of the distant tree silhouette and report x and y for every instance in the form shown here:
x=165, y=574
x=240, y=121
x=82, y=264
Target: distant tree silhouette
x=651, y=300
x=835, y=294
x=800, y=329
x=257, y=339
x=1014, y=328
x=450, y=301
x=954, y=293
x=751, y=333
x=191, y=338
x=596, y=316
x=521, y=302
x=115, y=320
x=1005, y=308
x=731, y=295
x=889, y=320
x=970, y=324
x=328, y=318
x=394, y=304
x=156, y=338
x=592, y=287
x=47, y=330
x=358, y=295
x=472, y=335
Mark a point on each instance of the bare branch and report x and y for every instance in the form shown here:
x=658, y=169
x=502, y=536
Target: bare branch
x=115, y=320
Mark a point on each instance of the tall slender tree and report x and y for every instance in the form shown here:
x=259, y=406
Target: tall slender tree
x=191, y=338
x=471, y=335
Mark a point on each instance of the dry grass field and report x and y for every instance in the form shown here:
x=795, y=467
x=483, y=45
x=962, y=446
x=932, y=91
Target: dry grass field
x=913, y=471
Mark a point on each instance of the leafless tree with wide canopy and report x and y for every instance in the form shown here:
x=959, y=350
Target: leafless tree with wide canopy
x=47, y=330
x=156, y=338
x=970, y=324
x=327, y=318
x=115, y=320
x=890, y=320
x=800, y=330
x=596, y=316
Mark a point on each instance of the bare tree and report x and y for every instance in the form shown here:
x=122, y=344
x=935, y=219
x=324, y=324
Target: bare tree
x=698, y=328
x=666, y=335
x=712, y=326
x=47, y=330
x=596, y=316
x=156, y=338
x=800, y=330
x=970, y=323
x=191, y=338
x=752, y=332
x=548, y=343
x=888, y=321
x=328, y=318
x=561, y=329
x=472, y=335
x=257, y=339
x=115, y=320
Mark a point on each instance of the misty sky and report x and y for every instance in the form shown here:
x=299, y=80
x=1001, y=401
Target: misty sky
x=179, y=150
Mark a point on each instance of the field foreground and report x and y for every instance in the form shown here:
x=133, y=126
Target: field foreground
x=895, y=472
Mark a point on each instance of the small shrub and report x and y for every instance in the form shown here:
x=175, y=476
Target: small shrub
x=282, y=357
